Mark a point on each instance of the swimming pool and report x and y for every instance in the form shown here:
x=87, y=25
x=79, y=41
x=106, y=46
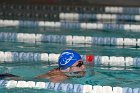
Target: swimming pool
x=28, y=59
x=30, y=48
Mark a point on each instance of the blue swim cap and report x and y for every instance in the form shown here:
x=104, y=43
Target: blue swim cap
x=68, y=58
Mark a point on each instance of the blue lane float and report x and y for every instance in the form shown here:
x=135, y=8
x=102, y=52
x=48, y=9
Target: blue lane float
x=126, y=10
x=98, y=17
x=66, y=87
x=28, y=23
x=71, y=25
x=68, y=39
x=31, y=57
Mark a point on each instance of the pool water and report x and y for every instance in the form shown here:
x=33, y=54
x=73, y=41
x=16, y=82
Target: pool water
x=104, y=76
x=95, y=75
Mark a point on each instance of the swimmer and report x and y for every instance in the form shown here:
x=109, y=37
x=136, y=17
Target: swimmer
x=70, y=64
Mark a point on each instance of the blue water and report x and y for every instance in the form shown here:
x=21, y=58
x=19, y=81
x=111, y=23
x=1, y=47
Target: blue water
x=122, y=77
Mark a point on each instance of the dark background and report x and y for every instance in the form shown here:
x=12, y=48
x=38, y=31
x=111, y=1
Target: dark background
x=76, y=2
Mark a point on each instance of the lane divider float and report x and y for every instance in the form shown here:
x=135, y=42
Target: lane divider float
x=72, y=25
x=68, y=39
x=28, y=57
x=66, y=87
x=98, y=17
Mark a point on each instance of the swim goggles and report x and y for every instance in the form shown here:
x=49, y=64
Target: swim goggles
x=76, y=73
x=80, y=63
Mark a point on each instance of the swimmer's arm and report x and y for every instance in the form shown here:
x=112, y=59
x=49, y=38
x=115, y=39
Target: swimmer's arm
x=48, y=75
x=53, y=75
x=52, y=78
x=9, y=76
x=42, y=76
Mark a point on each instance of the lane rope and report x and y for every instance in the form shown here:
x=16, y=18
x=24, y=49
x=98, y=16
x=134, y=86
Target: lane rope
x=68, y=39
x=28, y=57
x=66, y=87
x=71, y=25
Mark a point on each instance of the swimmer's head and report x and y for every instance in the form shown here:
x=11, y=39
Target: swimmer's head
x=68, y=58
